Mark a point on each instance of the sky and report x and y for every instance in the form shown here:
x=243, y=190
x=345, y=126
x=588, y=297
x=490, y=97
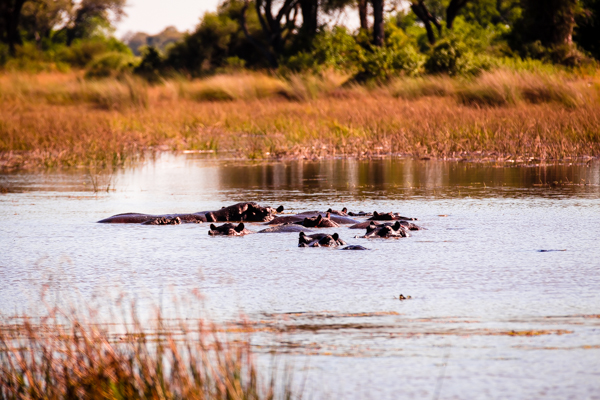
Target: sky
x=152, y=16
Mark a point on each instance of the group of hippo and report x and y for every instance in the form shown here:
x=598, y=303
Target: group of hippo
x=378, y=225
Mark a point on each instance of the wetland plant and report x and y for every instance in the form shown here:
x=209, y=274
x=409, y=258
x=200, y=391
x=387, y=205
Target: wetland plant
x=69, y=357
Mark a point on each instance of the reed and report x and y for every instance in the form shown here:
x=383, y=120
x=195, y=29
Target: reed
x=57, y=120
x=64, y=357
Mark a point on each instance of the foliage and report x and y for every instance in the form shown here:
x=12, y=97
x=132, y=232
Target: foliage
x=151, y=66
x=217, y=38
x=112, y=64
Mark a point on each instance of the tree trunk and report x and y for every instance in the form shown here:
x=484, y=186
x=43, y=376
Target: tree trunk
x=427, y=18
x=310, y=9
x=378, y=23
x=11, y=16
x=452, y=11
x=362, y=14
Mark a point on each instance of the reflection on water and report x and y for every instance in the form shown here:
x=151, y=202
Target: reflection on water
x=504, y=319
x=351, y=178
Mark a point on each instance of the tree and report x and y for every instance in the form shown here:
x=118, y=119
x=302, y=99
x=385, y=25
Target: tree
x=551, y=22
x=427, y=15
x=587, y=31
x=277, y=28
x=10, y=16
x=91, y=15
x=40, y=17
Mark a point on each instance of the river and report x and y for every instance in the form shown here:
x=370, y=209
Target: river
x=504, y=281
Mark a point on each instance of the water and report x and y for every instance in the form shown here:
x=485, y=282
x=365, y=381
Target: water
x=490, y=316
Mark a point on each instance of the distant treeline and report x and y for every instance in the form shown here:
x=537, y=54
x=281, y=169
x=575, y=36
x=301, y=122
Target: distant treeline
x=395, y=37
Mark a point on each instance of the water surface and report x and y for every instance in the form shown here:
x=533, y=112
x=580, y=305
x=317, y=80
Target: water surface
x=491, y=315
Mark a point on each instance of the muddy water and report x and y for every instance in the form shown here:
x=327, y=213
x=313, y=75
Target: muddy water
x=492, y=315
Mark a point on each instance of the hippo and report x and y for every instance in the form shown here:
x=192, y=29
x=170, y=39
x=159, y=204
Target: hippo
x=389, y=217
x=247, y=212
x=354, y=247
x=318, y=222
x=408, y=225
x=286, y=228
x=299, y=218
x=320, y=240
x=163, y=221
x=359, y=214
x=229, y=229
x=344, y=211
x=386, y=231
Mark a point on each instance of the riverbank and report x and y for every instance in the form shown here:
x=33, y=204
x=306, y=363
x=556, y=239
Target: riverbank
x=59, y=120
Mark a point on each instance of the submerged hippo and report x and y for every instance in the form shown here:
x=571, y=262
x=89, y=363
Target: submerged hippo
x=408, y=225
x=346, y=213
x=389, y=217
x=319, y=222
x=386, y=231
x=355, y=247
x=299, y=218
x=242, y=212
x=287, y=228
x=163, y=221
x=320, y=240
x=229, y=230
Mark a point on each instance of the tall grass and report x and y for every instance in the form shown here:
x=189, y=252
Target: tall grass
x=52, y=359
x=62, y=120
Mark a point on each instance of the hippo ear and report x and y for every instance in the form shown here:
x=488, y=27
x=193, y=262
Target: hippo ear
x=396, y=226
x=344, y=210
x=319, y=218
x=335, y=236
x=240, y=227
x=330, y=210
x=213, y=227
x=328, y=215
x=279, y=209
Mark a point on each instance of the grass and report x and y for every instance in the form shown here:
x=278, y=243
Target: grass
x=64, y=357
x=54, y=120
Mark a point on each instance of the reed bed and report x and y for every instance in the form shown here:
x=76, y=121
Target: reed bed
x=67, y=357
x=64, y=120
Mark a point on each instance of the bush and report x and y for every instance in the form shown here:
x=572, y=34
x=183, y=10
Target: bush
x=453, y=57
x=111, y=64
x=152, y=65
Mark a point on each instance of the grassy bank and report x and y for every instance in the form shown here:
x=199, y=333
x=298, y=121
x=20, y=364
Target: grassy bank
x=66, y=357
x=63, y=120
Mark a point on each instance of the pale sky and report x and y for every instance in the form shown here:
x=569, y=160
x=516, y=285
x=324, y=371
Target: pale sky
x=152, y=16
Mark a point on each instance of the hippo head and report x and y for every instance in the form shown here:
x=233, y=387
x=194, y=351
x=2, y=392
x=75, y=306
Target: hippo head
x=228, y=230
x=336, y=212
x=386, y=231
x=257, y=213
x=320, y=240
x=319, y=222
x=312, y=222
x=382, y=217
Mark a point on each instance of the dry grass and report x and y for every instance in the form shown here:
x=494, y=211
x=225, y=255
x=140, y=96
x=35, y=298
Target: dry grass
x=65, y=358
x=56, y=120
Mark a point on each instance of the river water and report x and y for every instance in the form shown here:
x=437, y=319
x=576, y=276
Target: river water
x=505, y=280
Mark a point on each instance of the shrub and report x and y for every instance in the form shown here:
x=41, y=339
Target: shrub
x=111, y=64
x=412, y=88
x=152, y=65
x=233, y=87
